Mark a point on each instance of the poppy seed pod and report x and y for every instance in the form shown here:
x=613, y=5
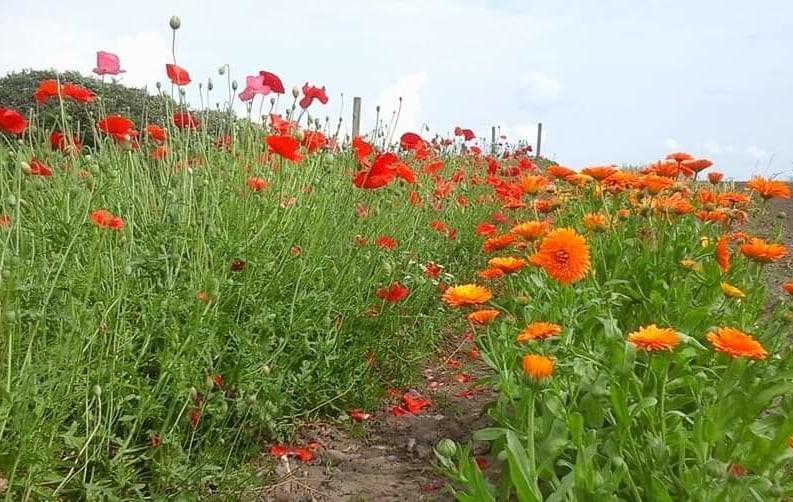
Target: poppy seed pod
x=272, y=101
x=295, y=91
x=158, y=85
x=234, y=85
x=222, y=70
x=210, y=85
x=175, y=22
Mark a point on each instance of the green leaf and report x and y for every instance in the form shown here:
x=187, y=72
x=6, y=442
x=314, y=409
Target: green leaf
x=519, y=469
x=489, y=434
x=618, y=401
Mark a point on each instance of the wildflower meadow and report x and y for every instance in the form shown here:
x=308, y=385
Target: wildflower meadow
x=183, y=289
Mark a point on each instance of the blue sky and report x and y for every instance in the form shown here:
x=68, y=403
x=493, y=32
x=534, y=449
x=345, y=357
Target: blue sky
x=622, y=81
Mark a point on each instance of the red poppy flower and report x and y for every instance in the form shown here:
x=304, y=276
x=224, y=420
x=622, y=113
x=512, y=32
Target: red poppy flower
x=467, y=134
x=12, y=122
x=116, y=126
x=310, y=93
x=272, y=81
x=177, y=74
x=60, y=142
x=362, y=150
x=314, y=140
x=409, y=141
x=156, y=132
x=47, y=89
x=414, y=199
x=404, y=171
x=380, y=174
x=387, y=242
x=432, y=168
x=185, y=120
x=5, y=221
x=432, y=270
x=304, y=454
x=394, y=293
x=78, y=93
x=285, y=146
x=257, y=184
x=38, y=168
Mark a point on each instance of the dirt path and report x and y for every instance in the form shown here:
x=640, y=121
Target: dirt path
x=388, y=457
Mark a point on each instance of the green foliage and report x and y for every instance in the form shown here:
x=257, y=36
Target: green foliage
x=17, y=89
x=617, y=423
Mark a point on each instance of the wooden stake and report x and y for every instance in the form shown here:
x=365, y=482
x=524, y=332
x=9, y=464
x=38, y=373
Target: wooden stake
x=356, y=116
x=539, y=140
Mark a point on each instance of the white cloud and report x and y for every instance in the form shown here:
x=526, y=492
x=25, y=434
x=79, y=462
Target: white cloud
x=712, y=148
x=757, y=153
x=541, y=87
x=407, y=87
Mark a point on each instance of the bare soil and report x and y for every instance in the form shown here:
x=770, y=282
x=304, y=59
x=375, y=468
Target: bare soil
x=390, y=458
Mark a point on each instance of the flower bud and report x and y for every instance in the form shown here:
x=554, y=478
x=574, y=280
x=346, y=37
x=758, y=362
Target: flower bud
x=222, y=70
x=210, y=85
x=234, y=85
x=25, y=167
x=97, y=390
x=446, y=448
x=193, y=393
x=158, y=85
x=272, y=101
x=295, y=91
x=175, y=22
x=266, y=370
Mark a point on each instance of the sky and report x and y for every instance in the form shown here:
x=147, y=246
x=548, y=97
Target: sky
x=612, y=81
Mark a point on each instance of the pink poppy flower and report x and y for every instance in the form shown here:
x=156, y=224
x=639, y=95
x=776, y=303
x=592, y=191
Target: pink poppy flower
x=254, y=85
x=107, y=64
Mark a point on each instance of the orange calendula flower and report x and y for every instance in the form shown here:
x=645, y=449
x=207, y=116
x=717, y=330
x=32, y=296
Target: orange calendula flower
x=788, y=286
x=499, y=242
x=769, y=189
x=507, y=264
x=715, y=177
x=656, y=184
x=599, y=172
x=736, y=343
x=596, y=221
x=564, y=255
x=531, y=230
x=483, y=316
x=579, y=179
x=652, y=338
x=763, y=252
x=723, y=253
x=533, y=184
x=466, y=294
x=491, y=273
x=731, y=291
x=538, y=367
x=538, y=331
x=558, y=171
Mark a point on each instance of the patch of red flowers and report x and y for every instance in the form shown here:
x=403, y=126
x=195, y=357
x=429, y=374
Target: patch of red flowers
x=387, y=242
x=304, y=454
x=394, y=293
x=105, y=219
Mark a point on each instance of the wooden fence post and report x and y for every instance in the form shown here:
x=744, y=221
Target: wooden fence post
x=356, y=116
x=493, y=140
x=539, y=140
